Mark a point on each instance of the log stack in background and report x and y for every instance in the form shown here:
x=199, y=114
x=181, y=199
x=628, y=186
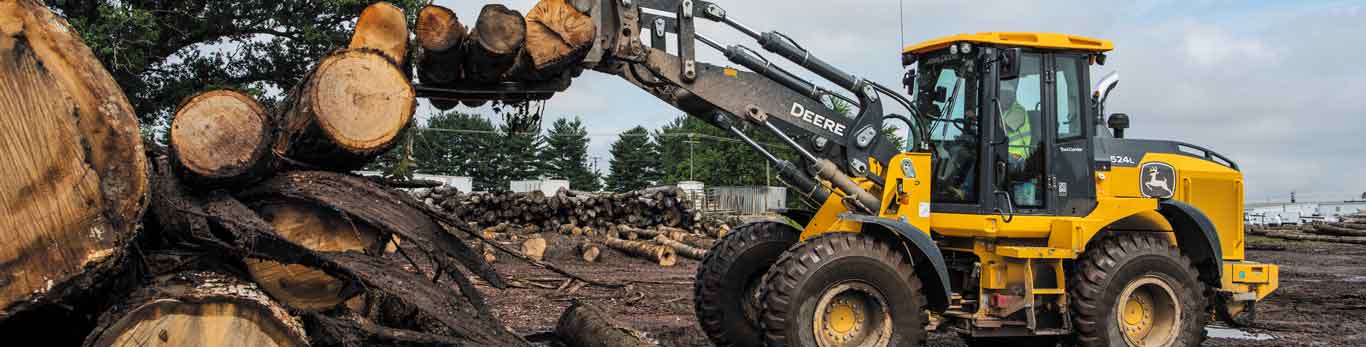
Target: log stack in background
x=666, y=206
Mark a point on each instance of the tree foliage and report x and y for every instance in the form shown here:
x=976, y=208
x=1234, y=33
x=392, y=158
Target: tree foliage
x=163, y=51
x=635, y=161
x=697, y=151
x=566, y=154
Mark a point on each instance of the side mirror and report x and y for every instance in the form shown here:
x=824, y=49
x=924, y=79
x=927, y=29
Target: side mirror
x=941, y=94
x=1009, y=63
x=1118, y=122
x=908, y=80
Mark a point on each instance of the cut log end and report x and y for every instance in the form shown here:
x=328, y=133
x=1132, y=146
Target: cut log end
x=74, y=179
x=220, y=135
x=363, y=100
x=534, y=248
x=557, y=33
x=382, y=26
x=200, y=309
x=319, y=229
x=438, y=28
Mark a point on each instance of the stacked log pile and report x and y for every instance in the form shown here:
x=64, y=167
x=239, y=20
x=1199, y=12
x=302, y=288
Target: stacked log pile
x=1351, y=229
x=662, y=206
x=253, y=232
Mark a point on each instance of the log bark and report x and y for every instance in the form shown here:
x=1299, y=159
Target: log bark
x=317, y=228
x=221, y=138
x=1307, y=237
x=1336, y=230
x=585, y=325
x=440, y=35
x=662, y=255
x=682, y=249
x=198, y=309
x=349, y=110
x=74, y=179
x=557, y=37
x=495, y=43
x=382, y=26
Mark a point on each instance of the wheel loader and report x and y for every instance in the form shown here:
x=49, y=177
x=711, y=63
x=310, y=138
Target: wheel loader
x=1014, y=214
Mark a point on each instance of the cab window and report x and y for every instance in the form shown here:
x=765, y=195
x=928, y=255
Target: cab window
x=1067, y=76
x=1021, y=119
x=946, y=90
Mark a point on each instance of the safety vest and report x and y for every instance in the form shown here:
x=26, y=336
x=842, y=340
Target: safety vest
x=1019, y=140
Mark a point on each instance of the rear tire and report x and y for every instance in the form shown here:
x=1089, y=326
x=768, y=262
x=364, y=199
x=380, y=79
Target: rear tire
x=851, y=288
x=725, y=292
x=1137, y=289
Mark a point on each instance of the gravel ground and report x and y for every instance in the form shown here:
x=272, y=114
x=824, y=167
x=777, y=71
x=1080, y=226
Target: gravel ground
x=1321, y=302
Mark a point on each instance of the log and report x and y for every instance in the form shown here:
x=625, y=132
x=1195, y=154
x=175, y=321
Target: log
x=1307, y=237
x=221, y=138
x=663, y=255
x=382, y=26
x=534, y=248
x=74, y=180
x=682, y=249
x=495, y=43
x=440, y=35
x=587, y=251
x=346, y=112
x=557, y=37
x=198, y=309
x=317, y=228
x=1336, y=230
x=585, y=325
x=689, y=238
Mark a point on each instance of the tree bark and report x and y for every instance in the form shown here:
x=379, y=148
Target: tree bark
x=74, y=180
x=348, y=111
x=440, y=35
x=221, y=138
x=317, y=228
x=663, y=255
x=1307, y=237
x=198, y=309
x=382, y=26
x=585, y=325
x=495, y=43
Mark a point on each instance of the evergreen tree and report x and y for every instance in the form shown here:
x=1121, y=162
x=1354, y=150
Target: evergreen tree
x=566, y=154
x=518, y=155
x=694, y=150
x=162, y=51
x=635, y=161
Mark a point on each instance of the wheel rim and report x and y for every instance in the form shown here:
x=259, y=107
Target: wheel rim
x=1148, y=313
x=852, y=314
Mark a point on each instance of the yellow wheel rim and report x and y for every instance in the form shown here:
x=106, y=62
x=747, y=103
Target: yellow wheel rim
x=1148, y=313
x=852, y=314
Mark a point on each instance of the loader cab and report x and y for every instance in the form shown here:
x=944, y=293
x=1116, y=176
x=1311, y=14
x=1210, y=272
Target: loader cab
x=1010, y=121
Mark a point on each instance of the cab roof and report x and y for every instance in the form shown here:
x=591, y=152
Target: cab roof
x=1022, y=39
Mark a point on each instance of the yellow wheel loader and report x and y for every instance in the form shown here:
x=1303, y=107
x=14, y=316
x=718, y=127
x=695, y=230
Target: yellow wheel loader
x=1015, y=214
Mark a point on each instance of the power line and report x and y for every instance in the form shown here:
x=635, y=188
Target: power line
x=668, y=134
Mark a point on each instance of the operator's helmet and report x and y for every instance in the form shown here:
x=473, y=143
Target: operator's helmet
x=1008, y=90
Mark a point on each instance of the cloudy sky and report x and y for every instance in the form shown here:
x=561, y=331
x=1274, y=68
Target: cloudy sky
x=1275, y=85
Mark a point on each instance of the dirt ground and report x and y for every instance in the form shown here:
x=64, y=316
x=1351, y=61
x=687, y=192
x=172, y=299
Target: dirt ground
x=1321, y=302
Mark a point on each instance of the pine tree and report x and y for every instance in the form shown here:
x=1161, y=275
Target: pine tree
x=517, y=156
x=566, y=154
x=635, y=161
x=458, y=144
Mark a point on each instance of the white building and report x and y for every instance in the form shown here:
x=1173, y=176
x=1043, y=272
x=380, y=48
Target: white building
x=1300, y=212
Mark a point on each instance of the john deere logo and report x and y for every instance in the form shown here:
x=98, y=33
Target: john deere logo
x=1158, y=180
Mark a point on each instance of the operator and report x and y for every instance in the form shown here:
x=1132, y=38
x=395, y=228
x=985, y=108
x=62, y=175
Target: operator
x=1019, y=147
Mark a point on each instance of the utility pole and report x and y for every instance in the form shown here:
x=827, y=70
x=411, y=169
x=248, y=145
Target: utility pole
x=690, y=142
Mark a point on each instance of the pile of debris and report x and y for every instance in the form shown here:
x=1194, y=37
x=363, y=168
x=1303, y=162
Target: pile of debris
x=1350, y=229
x=254, y=233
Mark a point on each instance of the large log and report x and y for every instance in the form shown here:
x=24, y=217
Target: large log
x=1336, y=230
x=74, y=179
x=557, y=36
x=663, y=255
x=221, y=137
x=1285, y=235
x=198, y=309
x=317, y=228
x=495, y=43
x=440, y=35
x=349, y=110
x=383, y=27
x=585, y=325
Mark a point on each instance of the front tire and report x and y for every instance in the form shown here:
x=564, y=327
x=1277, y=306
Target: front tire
x=726, y=289
x=843, y=289
x=1137, y=289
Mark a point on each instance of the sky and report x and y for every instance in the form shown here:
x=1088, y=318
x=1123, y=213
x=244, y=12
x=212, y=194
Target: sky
x=1274, y=85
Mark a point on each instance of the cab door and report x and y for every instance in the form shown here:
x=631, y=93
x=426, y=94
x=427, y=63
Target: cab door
x=1070, y=180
